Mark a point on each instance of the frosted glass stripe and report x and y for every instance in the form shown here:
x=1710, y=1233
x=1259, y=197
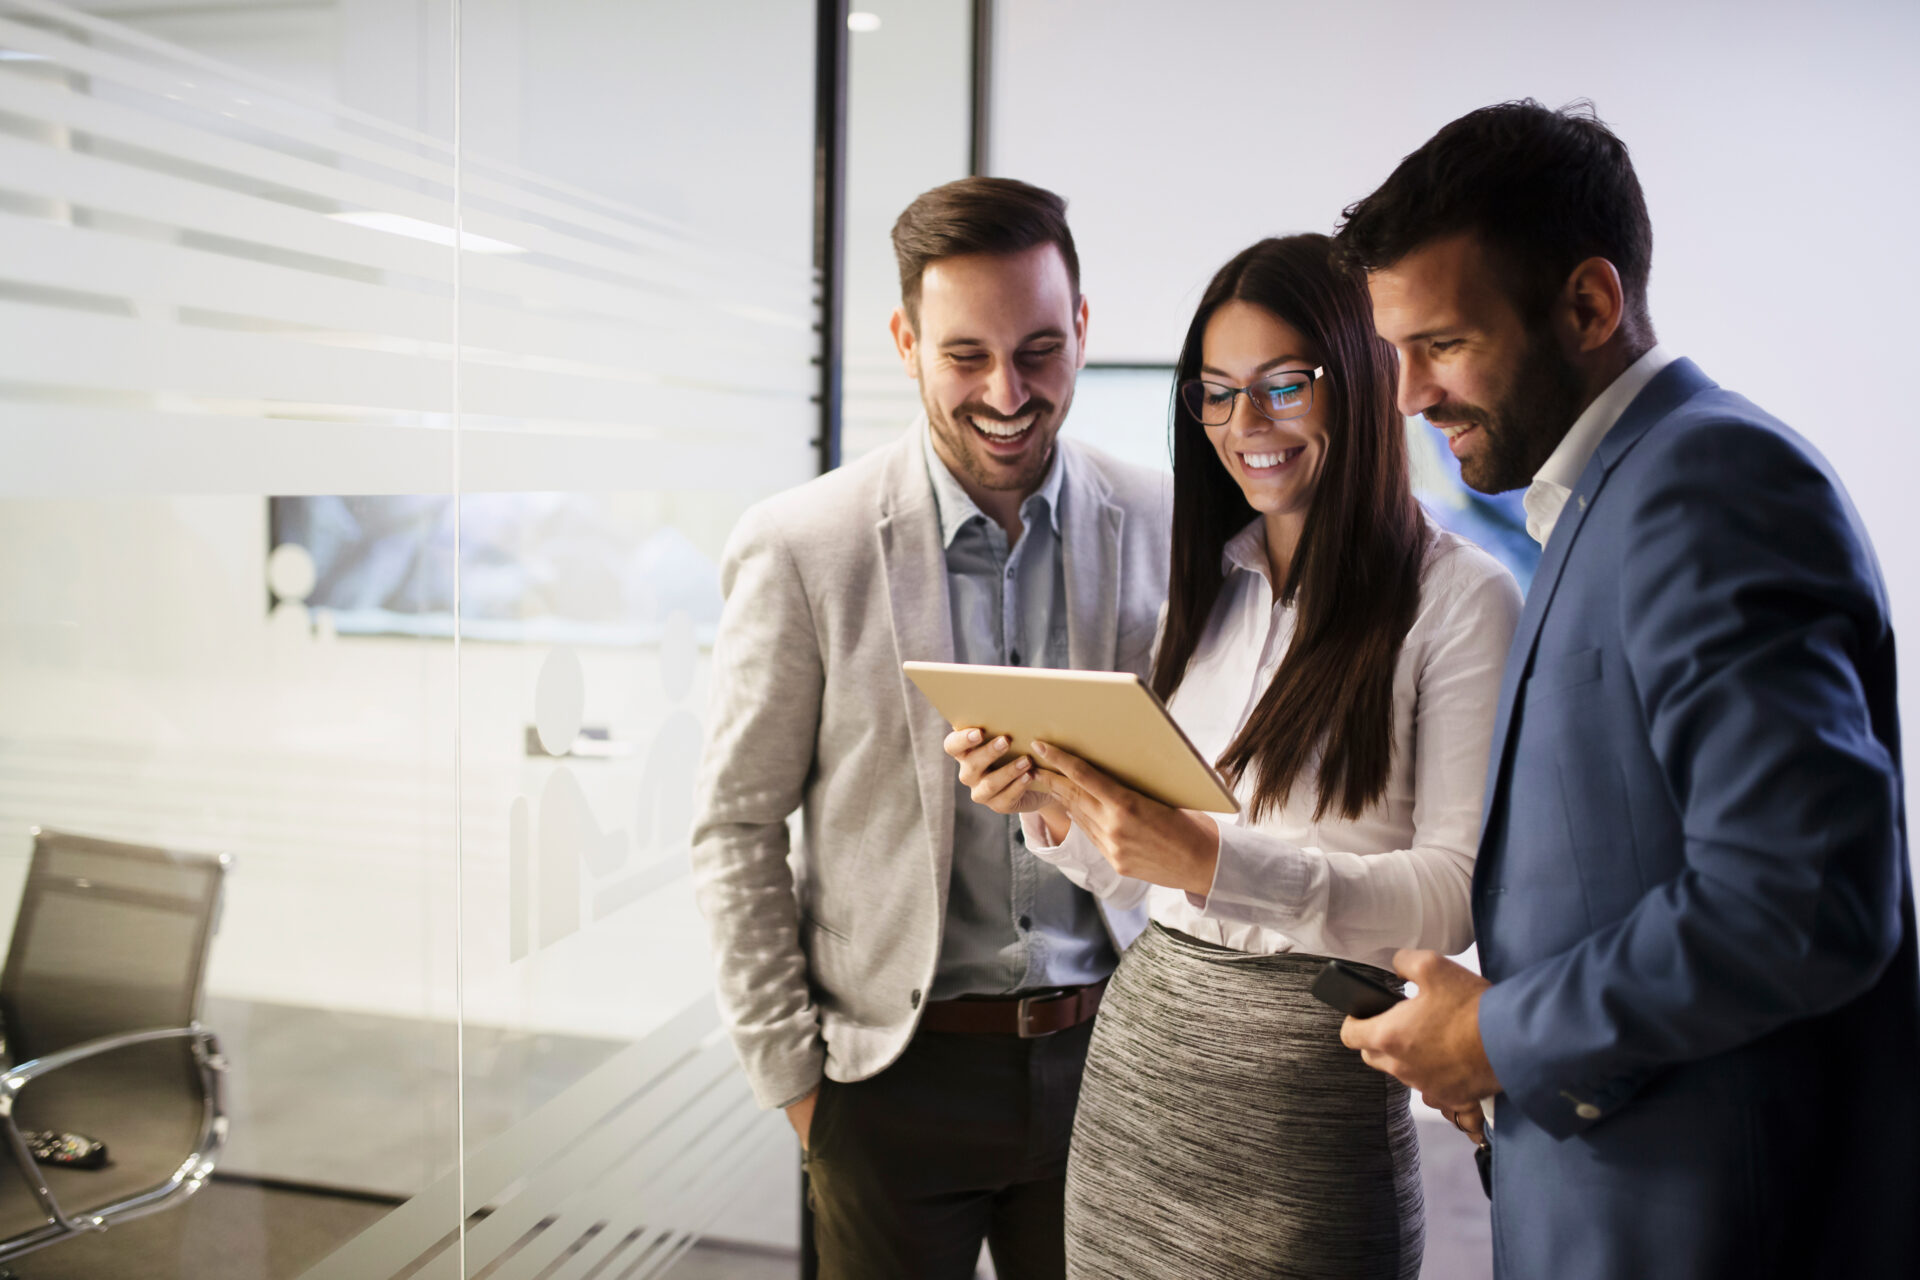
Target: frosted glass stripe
x=123, y=122
x=80, y=257
x=603, y=1158
x=72, y=348
x=785, y=302
x=665, y=1219
x=107, y=185
x=709, y=1196
x=408, y=150
x=416, y=1226
x=263, y=110
x=81, y=452
x=676, y=255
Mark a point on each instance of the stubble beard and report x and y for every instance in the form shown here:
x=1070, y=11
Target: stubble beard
x=963, y=442
x=1523, y=429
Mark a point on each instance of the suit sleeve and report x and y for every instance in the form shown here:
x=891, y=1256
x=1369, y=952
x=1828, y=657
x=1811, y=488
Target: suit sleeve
x=764, y=713
x=1749, y=604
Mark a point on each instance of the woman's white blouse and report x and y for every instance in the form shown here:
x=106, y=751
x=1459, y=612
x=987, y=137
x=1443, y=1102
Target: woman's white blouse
x=1399, y=874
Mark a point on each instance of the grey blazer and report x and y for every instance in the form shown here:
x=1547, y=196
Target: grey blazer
x=825, y=950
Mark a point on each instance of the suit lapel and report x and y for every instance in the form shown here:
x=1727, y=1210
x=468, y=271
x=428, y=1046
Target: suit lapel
x=1090, y=528
x=1674, y=385
x=916, y=571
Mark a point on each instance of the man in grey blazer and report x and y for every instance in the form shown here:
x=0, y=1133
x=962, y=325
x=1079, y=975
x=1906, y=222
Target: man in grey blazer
x=912, y=986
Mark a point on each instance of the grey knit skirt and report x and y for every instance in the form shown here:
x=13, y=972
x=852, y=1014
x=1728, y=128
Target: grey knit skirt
x=1224, y=1132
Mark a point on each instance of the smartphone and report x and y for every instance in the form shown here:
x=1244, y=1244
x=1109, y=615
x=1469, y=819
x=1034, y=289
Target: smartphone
x=1353, y=992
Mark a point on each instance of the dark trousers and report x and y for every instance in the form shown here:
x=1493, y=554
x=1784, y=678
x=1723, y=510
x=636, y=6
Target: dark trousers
x=963, y=1139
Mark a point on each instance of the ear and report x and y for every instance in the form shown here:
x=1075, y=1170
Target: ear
x=1080, y=333
x=1592, y=307
x=905, y=342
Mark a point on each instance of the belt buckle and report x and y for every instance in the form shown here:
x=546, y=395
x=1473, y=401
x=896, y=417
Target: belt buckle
x=1023, y=1015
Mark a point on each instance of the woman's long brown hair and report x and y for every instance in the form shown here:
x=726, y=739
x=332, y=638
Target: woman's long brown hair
x=1355, y=578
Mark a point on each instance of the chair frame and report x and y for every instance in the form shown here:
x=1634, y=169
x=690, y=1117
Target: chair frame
x=211, y=1064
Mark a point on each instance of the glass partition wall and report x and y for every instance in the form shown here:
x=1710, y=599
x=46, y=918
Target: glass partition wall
x=381, y=380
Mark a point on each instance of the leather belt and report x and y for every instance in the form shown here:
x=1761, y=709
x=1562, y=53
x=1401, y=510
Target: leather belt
x=1031, y=1016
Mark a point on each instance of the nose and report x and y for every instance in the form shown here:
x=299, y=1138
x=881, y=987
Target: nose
x=1247, y=420
x=1417, y=391
x=1006, y=389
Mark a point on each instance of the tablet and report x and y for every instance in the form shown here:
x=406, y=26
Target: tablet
x=1110, y=719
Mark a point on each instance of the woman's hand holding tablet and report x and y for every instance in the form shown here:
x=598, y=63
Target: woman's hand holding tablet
x=1137, y=834
x=1141, y=837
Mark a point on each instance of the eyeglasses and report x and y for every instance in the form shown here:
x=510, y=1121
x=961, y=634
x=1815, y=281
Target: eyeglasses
x=1279, y=396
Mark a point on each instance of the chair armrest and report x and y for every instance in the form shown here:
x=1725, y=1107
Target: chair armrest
x=13, y=1081
x=196, y=1169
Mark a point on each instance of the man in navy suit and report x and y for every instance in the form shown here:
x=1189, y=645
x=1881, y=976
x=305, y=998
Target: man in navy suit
x=1700, y=1017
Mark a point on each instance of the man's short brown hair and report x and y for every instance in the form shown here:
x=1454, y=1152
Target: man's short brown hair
x=978, y=215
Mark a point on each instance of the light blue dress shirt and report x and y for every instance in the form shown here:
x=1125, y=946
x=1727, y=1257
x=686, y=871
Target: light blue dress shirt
x=1014, y=923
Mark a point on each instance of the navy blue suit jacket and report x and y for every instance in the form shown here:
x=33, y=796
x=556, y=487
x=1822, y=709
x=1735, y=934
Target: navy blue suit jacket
x=1693, y=895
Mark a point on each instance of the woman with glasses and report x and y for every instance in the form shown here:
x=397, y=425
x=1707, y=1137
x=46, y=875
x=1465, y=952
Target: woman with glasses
x=1340, y=658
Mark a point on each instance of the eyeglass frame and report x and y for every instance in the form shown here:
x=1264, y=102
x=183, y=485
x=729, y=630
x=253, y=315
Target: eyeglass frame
x=1313, y=375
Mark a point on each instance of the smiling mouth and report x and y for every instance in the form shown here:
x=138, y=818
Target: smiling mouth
x=1008, y=431
x=1457, y=432
x=1269, y=463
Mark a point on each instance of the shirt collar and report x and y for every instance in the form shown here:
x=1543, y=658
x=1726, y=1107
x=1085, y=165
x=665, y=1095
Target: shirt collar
x=956, y=508
x=1247, y=550
x=1564, y=465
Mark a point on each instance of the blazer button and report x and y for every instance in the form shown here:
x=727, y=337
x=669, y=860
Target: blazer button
x=1587, y=1111
x=915, y=998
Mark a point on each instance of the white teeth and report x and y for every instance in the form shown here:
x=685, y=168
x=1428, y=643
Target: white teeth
x=1004, y=430
x=1262, y=460
x=1455, y=430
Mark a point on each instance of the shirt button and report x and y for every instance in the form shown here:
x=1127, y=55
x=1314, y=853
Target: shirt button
x=1015, y=656
x=1019, y=832
x=1026, y=922
x=914, y=999
x=1587, y=1111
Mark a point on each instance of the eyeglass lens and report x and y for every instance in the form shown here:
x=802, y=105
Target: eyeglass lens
x=1288, y=394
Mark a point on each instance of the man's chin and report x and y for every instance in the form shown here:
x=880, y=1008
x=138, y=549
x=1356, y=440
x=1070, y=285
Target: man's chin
x=1483, y=478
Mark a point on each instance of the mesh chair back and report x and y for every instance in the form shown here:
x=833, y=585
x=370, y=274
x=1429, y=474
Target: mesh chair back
x=110, y=938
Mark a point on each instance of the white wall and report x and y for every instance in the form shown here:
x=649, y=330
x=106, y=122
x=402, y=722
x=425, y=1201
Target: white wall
x=909, y=95
x=1778, y=144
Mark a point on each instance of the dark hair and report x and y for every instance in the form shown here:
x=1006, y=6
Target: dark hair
x=978, y=215
x=1356, y=573
x=1542, y=190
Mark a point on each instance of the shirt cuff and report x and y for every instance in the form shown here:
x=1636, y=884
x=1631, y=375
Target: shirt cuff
x=1038, y=839
x=1257, y=879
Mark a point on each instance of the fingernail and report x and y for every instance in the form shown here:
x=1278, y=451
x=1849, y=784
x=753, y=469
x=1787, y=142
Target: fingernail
x=1024, y=763
x=1040, y=748
x=973, y=736
x=999, y=744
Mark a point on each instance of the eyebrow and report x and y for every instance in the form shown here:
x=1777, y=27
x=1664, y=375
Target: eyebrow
x=1273, y=363
x=1036, y=336
x=1427, y=335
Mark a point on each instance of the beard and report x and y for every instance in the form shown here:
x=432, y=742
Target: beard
x=977, y=464
x=1522, y=430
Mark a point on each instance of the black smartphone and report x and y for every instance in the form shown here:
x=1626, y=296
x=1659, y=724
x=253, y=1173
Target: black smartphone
x=1352, y=992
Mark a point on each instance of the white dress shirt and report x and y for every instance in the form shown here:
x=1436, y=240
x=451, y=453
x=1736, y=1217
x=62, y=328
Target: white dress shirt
x=1396, y=876
x=1553, y=484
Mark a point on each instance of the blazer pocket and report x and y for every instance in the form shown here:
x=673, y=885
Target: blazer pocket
x=1562, y=672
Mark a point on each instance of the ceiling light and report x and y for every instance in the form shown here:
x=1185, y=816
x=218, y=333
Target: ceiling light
x=863, y=22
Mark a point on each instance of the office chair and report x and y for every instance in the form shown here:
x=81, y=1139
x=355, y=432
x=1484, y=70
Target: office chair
x=99, y=1035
